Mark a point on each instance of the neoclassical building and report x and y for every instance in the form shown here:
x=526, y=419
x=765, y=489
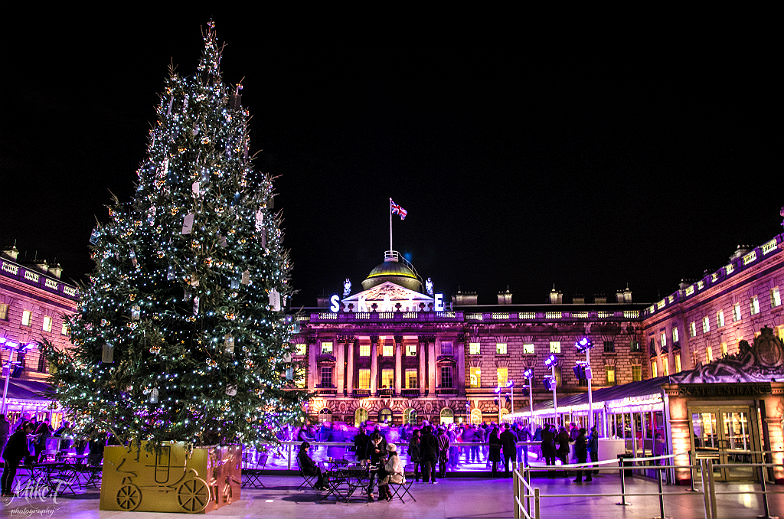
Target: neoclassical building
x=396, y=351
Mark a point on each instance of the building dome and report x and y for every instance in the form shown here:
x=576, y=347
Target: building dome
x=394, y=269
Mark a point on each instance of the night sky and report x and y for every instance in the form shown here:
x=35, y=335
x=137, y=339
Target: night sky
x=590, y=169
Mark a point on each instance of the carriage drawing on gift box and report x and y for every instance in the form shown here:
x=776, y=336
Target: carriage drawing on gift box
x=191, y=491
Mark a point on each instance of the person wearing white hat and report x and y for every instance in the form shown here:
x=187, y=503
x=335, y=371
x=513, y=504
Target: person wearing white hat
x=393, y=472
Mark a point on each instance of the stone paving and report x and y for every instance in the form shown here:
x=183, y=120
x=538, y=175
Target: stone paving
x=453, y=498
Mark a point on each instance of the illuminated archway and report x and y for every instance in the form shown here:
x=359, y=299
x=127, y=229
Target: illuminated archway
x=410, y=416
x=476, y=416
x=447, y=416
x=360, y=415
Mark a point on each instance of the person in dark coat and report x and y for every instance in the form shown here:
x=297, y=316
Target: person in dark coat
x=593, y=448
x=15, y=450
x=428, y=451
x=494, y=449
x=309, y=467
x=361, y=443
x=581, y=453
x=42, y=433
x=548, y=445
x=5, y=431
x=414, y=453
x=562, y=441
x=509, y=447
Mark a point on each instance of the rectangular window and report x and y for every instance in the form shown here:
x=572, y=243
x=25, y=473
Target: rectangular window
x=754, y=305
x=302, y=349
x=474, y=348
x=610, y=370
x=326, y=376
x=692, y=329
x=475, y=377
x=666, y=366
x=720, y=319
x=364, y=379
x=635, y=347
x=411, y=350
x=3, y=311
x=41, y=364
x=609, y=346
x=65, y=329
x=412, y=381
x=47, y=326
x=326, y=348
x=528, y=349
x=677, y=363
x=364, y=350
x=388, y=350
x=503, y=375
x=446, y=376
x=636, y=373
x=736, y=312
x=555, y=346
x=299, y=377
x=675, y=336
x=558, y=376
x=27, y=318
x=446, y=348
x=705, y=325
x=500, y=348
x=654, y=369
x=663, y=339
x=723, y=349
x=709, y=354
x=387, y=378
x=775, y=297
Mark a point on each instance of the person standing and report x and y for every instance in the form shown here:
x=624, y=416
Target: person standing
x=593, y=449
x=523, y=435
x=581, y=452
x=15, y=450
x=548, y=446
x=5, y=431
x=562, y=440
x=494, y=450
x=361, y=444
x=429, y=454
x=509, y=447
x=415, y=454
x=443, y=451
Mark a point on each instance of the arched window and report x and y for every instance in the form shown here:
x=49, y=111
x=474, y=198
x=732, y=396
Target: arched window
x=385, y=416
x=447, y=416
x=504, y=411
x=476, y=416
x=410, y=416
x=325, y=415
x=360, y=415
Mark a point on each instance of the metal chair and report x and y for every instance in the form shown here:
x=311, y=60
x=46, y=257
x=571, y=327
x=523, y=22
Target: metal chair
x=307, y=481
x=399, y=490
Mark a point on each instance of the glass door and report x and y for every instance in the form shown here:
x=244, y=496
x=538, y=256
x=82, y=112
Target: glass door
x=726, y=436
x=736, y=445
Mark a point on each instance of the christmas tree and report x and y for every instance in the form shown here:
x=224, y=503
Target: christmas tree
x=180, y=334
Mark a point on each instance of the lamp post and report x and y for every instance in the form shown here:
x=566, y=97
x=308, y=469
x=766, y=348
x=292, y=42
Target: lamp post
x=584, y=345
x=551, y=362
x=8, y=365
x=529, y=374
x=499, y=391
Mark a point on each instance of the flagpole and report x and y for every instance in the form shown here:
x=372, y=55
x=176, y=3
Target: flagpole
x=390, y=224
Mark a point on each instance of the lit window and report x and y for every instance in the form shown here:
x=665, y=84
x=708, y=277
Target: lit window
x=475, y=377
x=775, y=297
x=412, y=381
x=663, y=338
x=754, y=305
x=636, y=373
x=666, y=366
x=411, y=350
x=65, y=329
x=326, y=348
x=677, y=363
x=503, y=375
x=555, y=346
x=709, y=354
x=736, y=312
x=27, y=317
x=720, y=319
x=500, y=348
x=387, y=378
x=705, y=325
x=528, y=348
x=473, y=348
x=364, y=379
x=723, y=349
x=3, y=311
x=654, y=369
x=47, y=326
x=388, y=350
x=446, y=376
x=302, y=349
x=364, y=350
x=675, y=335
x=692, y=329
x=299, y=377
x=610, y=370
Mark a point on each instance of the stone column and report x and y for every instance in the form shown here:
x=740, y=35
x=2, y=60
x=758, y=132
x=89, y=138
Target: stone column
x=460, y=375
x=431, y=366
x=422, y=353
x=350, y=368
x=373, y=365
x=312, y=366
x=684, y=337
x=340, y=365
x=398, y=364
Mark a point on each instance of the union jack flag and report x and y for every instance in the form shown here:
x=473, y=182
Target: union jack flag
x=397, y=209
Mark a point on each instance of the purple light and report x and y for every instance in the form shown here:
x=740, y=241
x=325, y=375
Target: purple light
x=528, y=373
x=510, y=383
x=2, y=340
x=551, y=361
x=584, y=344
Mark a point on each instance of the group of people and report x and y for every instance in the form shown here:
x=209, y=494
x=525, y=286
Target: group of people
x=557, y=443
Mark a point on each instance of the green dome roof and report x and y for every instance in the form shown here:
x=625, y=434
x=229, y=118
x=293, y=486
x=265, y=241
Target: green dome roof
x=398, y=272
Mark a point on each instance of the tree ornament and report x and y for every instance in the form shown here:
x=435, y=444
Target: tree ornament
x=231, y=390
x=187, y=223
x=136, y=312
x=154, y=395
x=228, y=344
x=246, y=277
x=107, y=355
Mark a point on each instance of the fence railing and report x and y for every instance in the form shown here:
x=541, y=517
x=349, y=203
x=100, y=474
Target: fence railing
x=527, y=498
